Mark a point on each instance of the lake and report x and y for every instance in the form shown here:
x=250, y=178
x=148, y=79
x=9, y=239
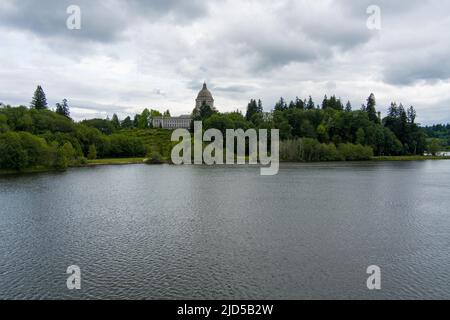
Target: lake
x=169, y=232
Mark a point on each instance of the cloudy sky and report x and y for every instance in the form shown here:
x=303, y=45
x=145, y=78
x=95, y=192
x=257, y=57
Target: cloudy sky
x=133, y=54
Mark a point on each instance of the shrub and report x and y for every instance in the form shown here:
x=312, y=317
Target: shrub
x=92, y=155
x=12, y=154
x=355, y=152
x=154, y=158
x=125, y=146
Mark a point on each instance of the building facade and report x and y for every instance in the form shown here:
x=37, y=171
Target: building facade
x=183, y=122
x=204, y=97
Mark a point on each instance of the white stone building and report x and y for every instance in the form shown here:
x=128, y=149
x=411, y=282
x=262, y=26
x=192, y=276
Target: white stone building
x=183, y=121
x=204, y=97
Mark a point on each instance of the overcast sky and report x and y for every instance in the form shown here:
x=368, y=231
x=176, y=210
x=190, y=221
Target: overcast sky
x=133, y=54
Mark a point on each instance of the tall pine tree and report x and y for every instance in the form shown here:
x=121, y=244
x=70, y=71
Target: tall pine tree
x=370, y=109
x=115, y=121
x=39, y=101
x=252, y=108
x=63, y=108
x=348, y=107
x=310, y=104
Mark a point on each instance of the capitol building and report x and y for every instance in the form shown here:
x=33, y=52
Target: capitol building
x=204, y=97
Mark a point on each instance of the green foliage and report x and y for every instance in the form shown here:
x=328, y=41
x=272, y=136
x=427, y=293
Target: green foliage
x=92, y=155
x=322, y=133
x=332, y=103
x=70, y=153
x=19, y=150
x=370, y=109
x=253, y=108
x=12, y=154
x=63, y=109
x=144, y=119
x=311, y=150
x=105, y=126
x=310, y=104
x=360, y=136
x=122, y=145
x=352, y=152
x=115, y=121
x=434, y=146
x=127, y=123
x=154, y=157
x=39, y=101
x=203, y=112
x=3, y=123
x=402, y=124
x=35, y=121
x=439, y=131
x=38, y=137
x=61, y=161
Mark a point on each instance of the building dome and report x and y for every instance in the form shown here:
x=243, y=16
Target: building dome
x=204, y=93
x=205, y=97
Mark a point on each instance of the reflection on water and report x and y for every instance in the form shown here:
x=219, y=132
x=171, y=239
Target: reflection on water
x=151, y=232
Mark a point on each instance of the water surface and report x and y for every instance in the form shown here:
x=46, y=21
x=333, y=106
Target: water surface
x=166, y=232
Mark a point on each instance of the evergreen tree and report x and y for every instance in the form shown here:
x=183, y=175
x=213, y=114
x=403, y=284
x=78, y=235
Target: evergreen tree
x=167, y=114
x=127, y=123
x=63, y=108
x=115, y=121
x=39, y=101
x=335, y=104
x=299, y=104
x=348, y=107
x=411, y=113
x=291, y=105
x=339, y=106
x=260, y=108
x=144, y=119
x=136, y=120
x=402, y=126
x=371, y=110
x=252, y=108
x=281, y=105
x=310, y=104
x=393, y=110
x=325, y=103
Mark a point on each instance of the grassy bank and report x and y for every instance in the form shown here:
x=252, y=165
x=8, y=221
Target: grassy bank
x=97, y=162
x=115, y=161
x=409, y=158
x=4, y=172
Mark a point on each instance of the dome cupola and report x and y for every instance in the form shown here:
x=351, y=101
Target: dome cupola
x=204, y=97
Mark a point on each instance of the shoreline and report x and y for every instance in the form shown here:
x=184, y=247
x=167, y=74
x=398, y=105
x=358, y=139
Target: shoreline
x=129, y=161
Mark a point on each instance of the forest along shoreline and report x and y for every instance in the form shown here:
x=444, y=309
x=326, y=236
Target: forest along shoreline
x=36, y=139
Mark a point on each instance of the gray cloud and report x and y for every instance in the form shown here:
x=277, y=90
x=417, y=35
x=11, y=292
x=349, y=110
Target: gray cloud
x=234, y=88
x=134, y=54
x=102, y=20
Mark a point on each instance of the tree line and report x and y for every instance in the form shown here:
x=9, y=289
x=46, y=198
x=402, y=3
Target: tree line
x=36, y=136
x=438, y=138
x=328, y=126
